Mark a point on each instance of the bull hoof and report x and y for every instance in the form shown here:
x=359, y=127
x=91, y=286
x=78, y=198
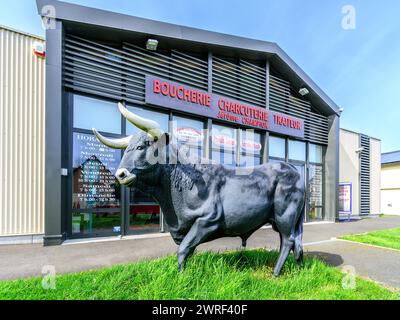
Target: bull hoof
x=300, y=264
x=181, y=268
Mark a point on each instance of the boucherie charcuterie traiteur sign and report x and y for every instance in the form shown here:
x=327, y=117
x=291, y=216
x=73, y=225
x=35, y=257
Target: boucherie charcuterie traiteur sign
x=177, y=96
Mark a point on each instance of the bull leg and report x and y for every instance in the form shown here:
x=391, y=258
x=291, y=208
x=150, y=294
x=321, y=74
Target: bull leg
x=244, y=238
x=286, y=246
x=286, y=223
x=200, y=231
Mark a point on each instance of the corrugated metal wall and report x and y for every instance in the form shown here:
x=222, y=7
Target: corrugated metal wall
x=21, y=135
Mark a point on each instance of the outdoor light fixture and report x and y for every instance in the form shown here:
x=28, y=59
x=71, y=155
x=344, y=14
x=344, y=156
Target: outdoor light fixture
x=304, y=91
x=39, y=49
x=152, y=44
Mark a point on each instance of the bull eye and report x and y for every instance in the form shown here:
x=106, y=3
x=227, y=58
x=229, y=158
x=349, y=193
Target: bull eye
x=140, y=148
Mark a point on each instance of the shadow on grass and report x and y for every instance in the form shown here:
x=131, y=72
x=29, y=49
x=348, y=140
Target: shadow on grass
x=245, y=259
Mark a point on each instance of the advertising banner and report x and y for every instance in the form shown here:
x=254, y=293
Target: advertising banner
x=345, y=198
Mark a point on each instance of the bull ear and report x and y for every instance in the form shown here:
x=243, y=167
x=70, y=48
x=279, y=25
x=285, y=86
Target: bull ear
x=112, y=143
x=147, y=125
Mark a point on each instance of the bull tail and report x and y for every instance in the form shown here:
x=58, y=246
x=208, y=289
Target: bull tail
x=298, y=238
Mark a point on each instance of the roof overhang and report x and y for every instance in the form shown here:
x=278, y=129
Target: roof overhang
x=87, y=20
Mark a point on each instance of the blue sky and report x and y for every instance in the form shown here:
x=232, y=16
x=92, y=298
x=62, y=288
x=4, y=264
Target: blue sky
x=359, y=69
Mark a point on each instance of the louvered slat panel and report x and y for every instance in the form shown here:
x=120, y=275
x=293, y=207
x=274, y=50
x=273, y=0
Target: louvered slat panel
x=281, y=100
x=119, y=73
x=365, y=174
x=242, y=80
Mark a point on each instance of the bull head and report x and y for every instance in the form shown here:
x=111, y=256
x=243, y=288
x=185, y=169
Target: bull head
x=138, y=147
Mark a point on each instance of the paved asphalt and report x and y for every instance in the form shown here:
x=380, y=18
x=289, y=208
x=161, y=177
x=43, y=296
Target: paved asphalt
x=19, y=261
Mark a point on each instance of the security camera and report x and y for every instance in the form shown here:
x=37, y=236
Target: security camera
x=359, y=150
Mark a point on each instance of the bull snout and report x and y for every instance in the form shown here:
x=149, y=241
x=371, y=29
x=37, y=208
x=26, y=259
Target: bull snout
x=124, y=176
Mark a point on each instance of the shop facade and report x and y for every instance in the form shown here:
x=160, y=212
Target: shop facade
x=227, y=99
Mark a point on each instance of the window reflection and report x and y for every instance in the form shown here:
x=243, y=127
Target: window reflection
x=224, y=145
x=251, y=148
x=94, y=113
x=189, y=135
x=277, y=147
x=297, y=150
x=315, y=153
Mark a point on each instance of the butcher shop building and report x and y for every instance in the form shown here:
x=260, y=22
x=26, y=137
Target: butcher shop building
x=232, y=100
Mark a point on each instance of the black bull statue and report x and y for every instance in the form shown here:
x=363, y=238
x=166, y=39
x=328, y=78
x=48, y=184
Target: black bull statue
x=205, y=201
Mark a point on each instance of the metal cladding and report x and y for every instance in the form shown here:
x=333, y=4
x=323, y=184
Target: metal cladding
x=22, y=134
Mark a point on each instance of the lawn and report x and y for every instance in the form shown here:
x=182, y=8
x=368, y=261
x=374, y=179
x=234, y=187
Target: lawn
x=229, y=275
x=389, y=238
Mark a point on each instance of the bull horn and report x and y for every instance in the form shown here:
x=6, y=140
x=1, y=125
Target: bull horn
x=113, y=143
x=147, y=125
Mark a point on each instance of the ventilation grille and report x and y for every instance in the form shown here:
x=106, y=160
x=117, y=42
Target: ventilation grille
x=365, y=174
x=243, y=81
x=281, y=100
x=119, y=73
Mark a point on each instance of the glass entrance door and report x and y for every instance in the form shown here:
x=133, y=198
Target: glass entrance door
x=315, y=183
x=96, y=205
x=143, y=214
x=95, y=202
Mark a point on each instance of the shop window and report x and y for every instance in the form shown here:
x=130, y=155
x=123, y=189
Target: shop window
x=189, y=135
x=277, y=147
x=297, y=150
x=94, y=113
x=96, y=223
x=144, y=213
x=315, y=153
x=251, y=148
x=224, y=145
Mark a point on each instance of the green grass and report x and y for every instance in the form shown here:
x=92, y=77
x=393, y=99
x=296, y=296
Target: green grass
x=389, y=238
x=229, y=275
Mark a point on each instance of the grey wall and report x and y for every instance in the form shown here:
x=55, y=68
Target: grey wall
x=332, y=170
x=53, y=194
